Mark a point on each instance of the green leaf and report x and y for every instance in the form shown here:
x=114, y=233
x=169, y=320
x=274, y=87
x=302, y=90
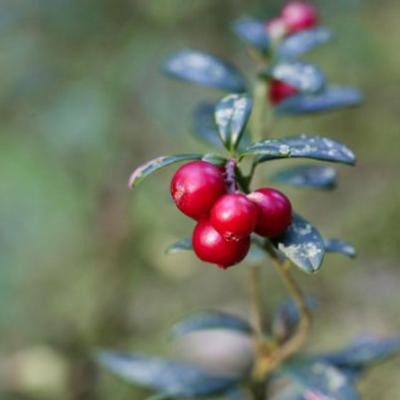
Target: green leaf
x=210, y=320
x=312, y=176
x=253, y=32
x=171, y=378
x=286, y=317
x=180, y=245
x=204, y=69
x=340, y=246
x=231, y=116
x=301, y=146
x=332, y=98
x=302, y=244
x=300, y=75
x=148, y=168
x=204, y=125
x=302, y=42
x=315, y=380
x=363, y=353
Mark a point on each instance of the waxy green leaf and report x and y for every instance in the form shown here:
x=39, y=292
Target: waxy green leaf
x=332, y=98
x=204, y=69
x=253, y=32
x=300, y=75
x=295, y=45
x=310, y=176
x=302, y=244
x=301, y=146
x=204, y=125
x=171, y=378
x=180, y=245
x=148, y=168
x=339, y=246
x=231, y=116
x=210, y=320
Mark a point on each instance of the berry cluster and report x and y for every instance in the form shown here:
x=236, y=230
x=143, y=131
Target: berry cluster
x=225, y=217
x=296, y=16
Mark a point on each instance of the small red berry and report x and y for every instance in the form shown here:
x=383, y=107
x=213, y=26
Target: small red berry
x=299, y=15
x=279, y=91
x=234, y=216
x=276, y=28
x=210, y=246
x=274, y=211
x=195, y=188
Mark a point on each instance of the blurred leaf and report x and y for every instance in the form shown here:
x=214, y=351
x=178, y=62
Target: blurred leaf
x=302, y=42
x=286, y=317
x=235, y=394
x=339, y=246
x=313, y=176
x=253, y=32
x=205, y=127
x=168, y=377
x=302, y=244
x=301, y=146
x=210, y=320
x=310, y=380
x=303, y=76
x=180, y=245
x=160, y=162
x=332, y=98
x=204, y=69
x=214, y=159
x=231, y=116
x=363, y=353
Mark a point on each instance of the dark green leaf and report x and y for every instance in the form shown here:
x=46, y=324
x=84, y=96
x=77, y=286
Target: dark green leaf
x=316, y=380
x=286, y=317
x=302, y=42
x=301, y=146
x=211, y=320
x=363, y=353
x=180, y=245
x=332, y=98
x=313, y=176
x=168, y=377
x=148, y=168
x=204, y=69
x=302, y=244
x=253, y=32
x=303, y=76
x=205, y=127
x=339, y=246
x=231, y=116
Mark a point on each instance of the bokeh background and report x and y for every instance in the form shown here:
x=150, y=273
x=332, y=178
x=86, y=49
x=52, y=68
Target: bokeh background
x=82, y=102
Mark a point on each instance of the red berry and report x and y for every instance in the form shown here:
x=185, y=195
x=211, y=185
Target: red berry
x=299, y=15
x=234, y=216
x=210, y=246
x=279, y=91
x=274, y=211
x=195, y=188
x=276, y=28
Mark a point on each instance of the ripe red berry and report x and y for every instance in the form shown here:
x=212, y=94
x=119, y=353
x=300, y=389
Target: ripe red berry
x=274, y=211
x=299, y=15
x=279, y=91
x=276, y=28
x=210, y=246
x=195, y=188
x=234, y=216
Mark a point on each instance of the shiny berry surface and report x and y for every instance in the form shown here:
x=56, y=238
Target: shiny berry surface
x=195, y=188
x=279, y=91
x=299, y=15
x=234, y=216
x=274, y=211
x=210, y=246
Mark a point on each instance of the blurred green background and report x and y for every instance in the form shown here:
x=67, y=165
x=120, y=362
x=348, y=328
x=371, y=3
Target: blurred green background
x=83, y=102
